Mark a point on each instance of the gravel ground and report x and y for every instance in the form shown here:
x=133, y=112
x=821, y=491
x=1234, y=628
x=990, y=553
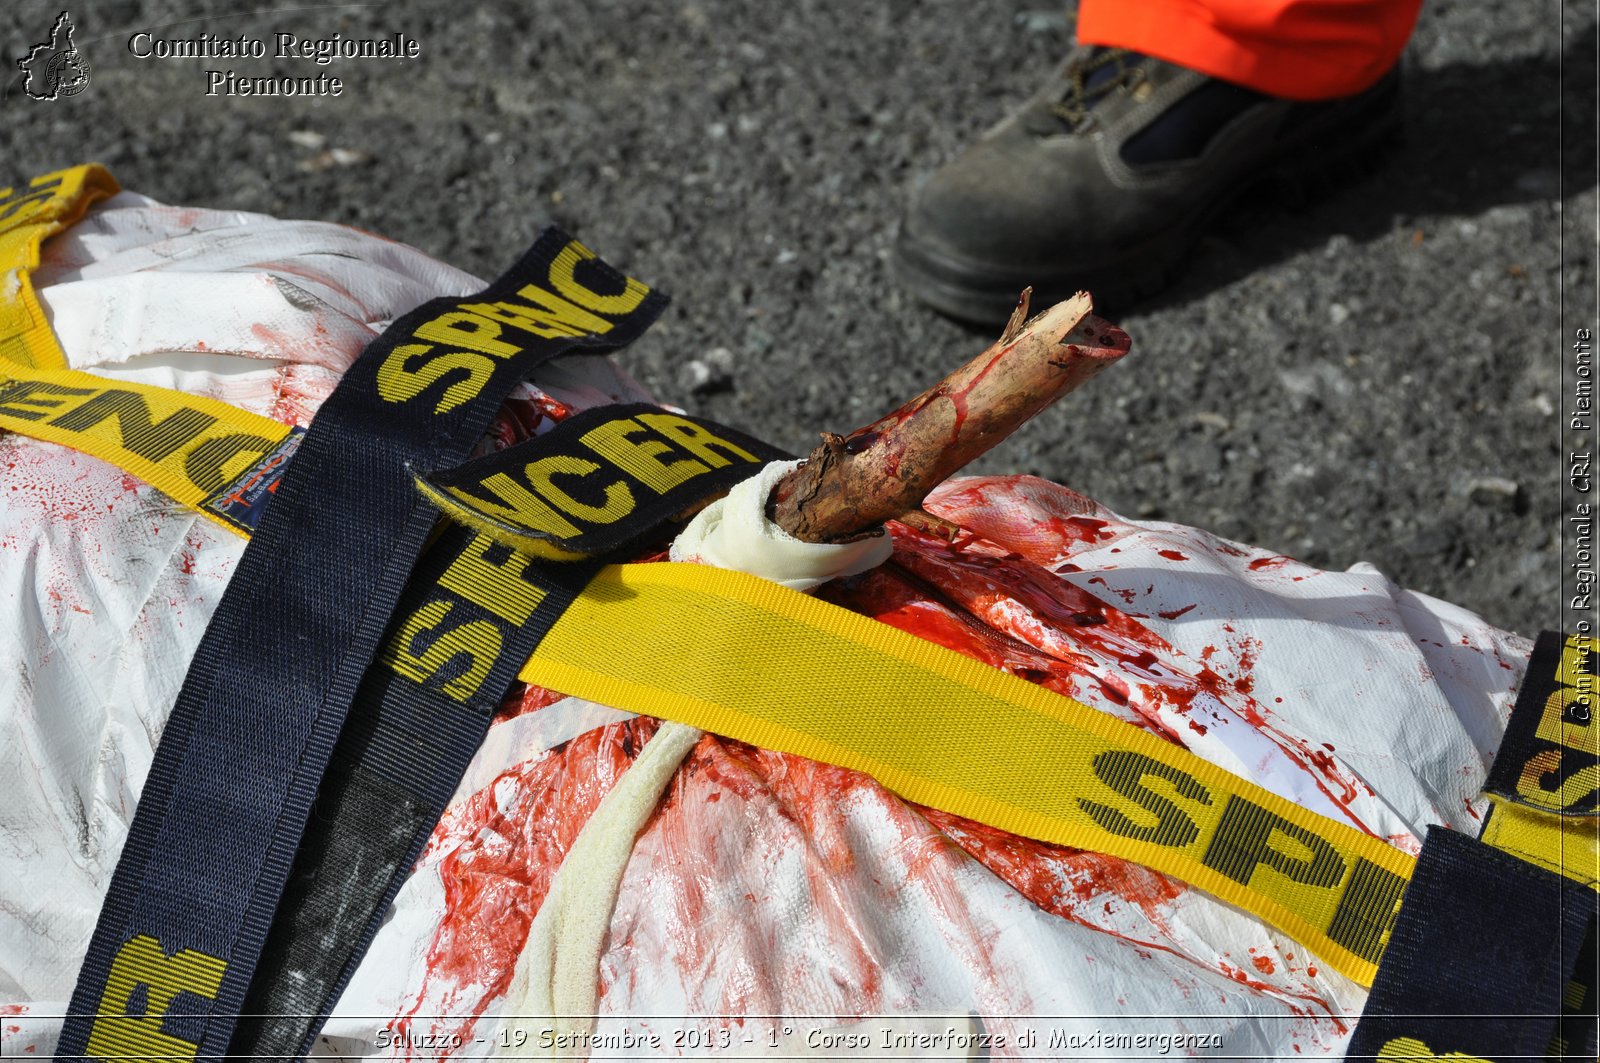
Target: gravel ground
x=1374, y=375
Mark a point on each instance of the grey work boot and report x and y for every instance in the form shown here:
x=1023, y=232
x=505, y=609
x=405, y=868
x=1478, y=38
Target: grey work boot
x=1104, y=180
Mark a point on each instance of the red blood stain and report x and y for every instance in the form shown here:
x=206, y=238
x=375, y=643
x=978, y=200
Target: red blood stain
x=500, y=849
x=1173, y=614
x=1263, y=964
x=1010, y=594
x=310, y=349
x=1323, y=760
x=1405, y=842
x=801, y=803
x=1144, y=661
x=55, y=485
x=900, y=598
x=524, y=416
x=1247, y=649
x=1072, y=883
x=1114, y=688
x=1172, y=555
x=1128, y=596
x=524, y=699
x=1277, y=561
x=298, y=391
x=1285, y=995
x=1058, y=521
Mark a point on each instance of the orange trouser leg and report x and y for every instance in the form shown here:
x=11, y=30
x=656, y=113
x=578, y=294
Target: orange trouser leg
x=1301, y=49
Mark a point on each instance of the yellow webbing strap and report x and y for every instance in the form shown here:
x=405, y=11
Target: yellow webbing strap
x=1568, y=846
x=205, y=454
x=27, y=215
x=749, y=659
x=193, y=449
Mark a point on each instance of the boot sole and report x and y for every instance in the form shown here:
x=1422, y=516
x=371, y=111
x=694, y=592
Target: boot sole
x=975, y=293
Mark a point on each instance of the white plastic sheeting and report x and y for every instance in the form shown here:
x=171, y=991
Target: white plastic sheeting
x=783, y=904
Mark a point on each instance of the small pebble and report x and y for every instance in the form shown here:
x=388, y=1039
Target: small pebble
x=1493, y=491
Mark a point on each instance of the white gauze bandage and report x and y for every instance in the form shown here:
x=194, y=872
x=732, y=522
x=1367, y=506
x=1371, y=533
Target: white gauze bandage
x=734, y=532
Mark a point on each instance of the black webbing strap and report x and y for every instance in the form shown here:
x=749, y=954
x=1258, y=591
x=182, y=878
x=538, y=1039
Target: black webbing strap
x=630, y=467
x=254, y=726
x=1493, y=956
x=1549, y=759
x=472, y=614
x=1485, y=961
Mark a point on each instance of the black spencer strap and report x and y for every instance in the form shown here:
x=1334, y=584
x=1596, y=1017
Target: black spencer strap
x=266, y=696
x=470, y=617
x=473, y=612
x=595, y=484
x=1493, y=957
x=1549, y=758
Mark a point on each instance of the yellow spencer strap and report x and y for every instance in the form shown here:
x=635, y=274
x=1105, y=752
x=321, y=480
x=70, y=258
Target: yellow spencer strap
x=201, y=452
x=44, y=207
x=749, y=659
x=198, y=451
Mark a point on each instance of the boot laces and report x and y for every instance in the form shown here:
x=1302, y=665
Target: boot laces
x=1080, y=96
